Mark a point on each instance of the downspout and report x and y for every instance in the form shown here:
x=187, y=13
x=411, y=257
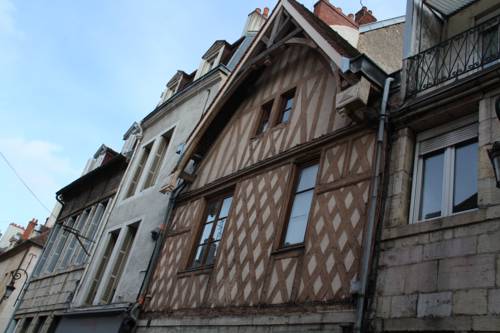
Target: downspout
x=372, y=210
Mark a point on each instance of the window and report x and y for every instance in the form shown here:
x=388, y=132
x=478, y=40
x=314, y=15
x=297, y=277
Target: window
x=26, y=324
x=113, y=237
x=89, y=231
x=61, y=242
x=286, y=106
x=491, y=41
x=211, y=234
x=72, y=245
x=265, y=116
x=48, y=249
x=138, y=171
x=445, y=174
x=39, y=324
x=158, y=158
x=119, y=265
x=302, y=200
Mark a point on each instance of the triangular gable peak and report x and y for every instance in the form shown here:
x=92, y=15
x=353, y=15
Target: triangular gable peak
x=290, y=24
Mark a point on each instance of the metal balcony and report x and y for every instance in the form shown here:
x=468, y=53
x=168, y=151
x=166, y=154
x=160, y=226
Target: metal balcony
x=454, y=58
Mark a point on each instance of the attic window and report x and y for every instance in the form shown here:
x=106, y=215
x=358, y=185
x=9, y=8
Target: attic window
x=210, y=63
x=286, y=106
x=265, y=116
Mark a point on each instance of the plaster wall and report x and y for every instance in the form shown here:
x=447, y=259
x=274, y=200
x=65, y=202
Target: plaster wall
x=26, y=260
x=384, y=46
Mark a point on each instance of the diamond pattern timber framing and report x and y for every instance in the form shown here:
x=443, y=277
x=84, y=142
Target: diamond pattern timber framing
x=167, y=290
x=248, y=239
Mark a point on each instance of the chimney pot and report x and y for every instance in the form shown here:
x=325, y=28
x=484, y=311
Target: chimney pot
x=266, y=11
x=257, y=10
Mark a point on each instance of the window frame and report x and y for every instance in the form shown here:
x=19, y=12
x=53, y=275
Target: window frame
x=101, y=268
x=201, y=226
x=113, y=273
x=292, y=192
x=151, y=175
x=448, y=166
x=284, y=97
x=138, y=173
x=263, y=108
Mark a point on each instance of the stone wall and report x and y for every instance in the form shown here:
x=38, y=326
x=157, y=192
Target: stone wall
x=443, y=274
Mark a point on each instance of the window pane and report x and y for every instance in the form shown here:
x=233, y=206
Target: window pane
x=289, y=103
x=212, y=211
x=212, y=252
x=286, y=116
x=206, y=233
x=432, y=186
x=302, y=204
x=307, y=178
x=226, y=204
x=490, y=43
x=296, y=230
x=219, y=229
x=465, y=188
x=199, y=256
x=264, y=117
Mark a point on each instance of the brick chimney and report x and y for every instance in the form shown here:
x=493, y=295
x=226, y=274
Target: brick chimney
x=29, y=229
x=332, y=15
x=364, y=16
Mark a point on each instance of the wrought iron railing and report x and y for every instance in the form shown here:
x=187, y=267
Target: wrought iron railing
x=468, y=51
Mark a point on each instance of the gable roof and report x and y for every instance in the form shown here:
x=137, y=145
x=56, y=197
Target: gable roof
x=332, y=44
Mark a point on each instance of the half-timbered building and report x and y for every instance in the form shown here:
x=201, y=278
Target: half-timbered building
x=276, y=188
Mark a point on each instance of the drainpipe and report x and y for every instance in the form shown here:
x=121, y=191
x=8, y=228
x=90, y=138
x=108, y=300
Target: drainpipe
x=159, y=244
x=372, y=209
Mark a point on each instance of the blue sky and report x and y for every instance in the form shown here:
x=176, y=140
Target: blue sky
x=75, y=74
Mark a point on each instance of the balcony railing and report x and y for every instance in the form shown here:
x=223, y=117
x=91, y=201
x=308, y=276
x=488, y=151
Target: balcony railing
x=452, y=59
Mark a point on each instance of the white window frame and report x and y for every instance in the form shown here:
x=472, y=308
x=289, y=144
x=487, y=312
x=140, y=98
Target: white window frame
x=435, y=139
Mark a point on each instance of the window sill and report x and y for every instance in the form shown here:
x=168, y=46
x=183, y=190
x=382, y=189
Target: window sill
x=435, y=224
x=289, y=251
x=195, y=271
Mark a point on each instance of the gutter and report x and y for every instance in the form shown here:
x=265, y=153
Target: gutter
x=368, y=241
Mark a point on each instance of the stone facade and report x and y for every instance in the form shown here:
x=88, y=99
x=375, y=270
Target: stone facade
x=440, y=274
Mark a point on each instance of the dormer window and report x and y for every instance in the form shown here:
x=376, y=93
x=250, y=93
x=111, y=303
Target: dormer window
x=209, y=64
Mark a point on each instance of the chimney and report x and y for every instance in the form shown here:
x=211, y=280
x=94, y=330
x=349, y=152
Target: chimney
x=255, y=21
x=29, y=229
x=364, y=16
x=266, y=12
x=333, y=16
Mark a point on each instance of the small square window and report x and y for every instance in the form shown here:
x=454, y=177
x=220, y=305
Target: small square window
x=211, y=233
x=446, y=174
x=286, y=106
x=265, y=117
